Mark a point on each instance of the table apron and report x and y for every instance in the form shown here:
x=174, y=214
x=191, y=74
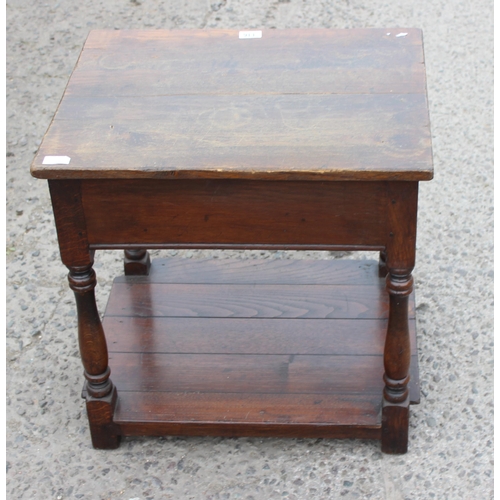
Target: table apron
x=235, y=213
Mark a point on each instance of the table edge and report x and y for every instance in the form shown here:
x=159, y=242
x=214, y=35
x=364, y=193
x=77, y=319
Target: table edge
x=51, y=173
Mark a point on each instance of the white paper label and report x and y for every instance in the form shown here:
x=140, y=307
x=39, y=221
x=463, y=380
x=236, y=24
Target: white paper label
x=250, y=34
x=56, y=160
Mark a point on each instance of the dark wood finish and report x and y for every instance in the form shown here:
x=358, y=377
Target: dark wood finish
x=303, y=139
x=136, y=262
x=397, y=358
x=100, y=392
x=215, y=62
x=206, y=374
x=400, y=259
x=397, y=350
x=256, y=408
x=70, y=223
x=77, y=256
x=247, y=373
x=235, y=212
x=401, y=237
x=258, y=271
x=100, y=411
x=395, y=425
x=209, y=335
x=218, y=375
x=294, y=105
x=240, y=301
x=237, y=335
x=271, y=137
x=269, y=415
x=92, y=342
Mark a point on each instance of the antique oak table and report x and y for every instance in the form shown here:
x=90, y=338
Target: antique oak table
x=294, y=139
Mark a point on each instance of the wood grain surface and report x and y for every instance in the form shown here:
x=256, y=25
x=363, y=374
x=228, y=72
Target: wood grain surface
x=262, y=415
x=259, y=271
x=234, y=211
x=237, y=335
x=249, y=376
x=243, y=301
x=239, y=373
x=215, y=62
x=296, y=104
x=261, y=408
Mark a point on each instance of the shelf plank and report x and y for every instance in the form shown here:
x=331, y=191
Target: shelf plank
x=246, y=373
x=256, y=374
x=256, y=289
x=266, y=301
x=259, y=271
x=243, y=336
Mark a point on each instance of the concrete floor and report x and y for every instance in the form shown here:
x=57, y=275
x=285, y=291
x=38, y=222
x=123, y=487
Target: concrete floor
x=49, y=455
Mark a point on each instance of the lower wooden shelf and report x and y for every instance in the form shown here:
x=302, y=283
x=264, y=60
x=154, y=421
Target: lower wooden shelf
x=251, y=348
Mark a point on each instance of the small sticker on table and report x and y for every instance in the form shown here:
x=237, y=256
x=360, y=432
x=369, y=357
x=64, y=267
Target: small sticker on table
x=56, y=160
x=250, y=34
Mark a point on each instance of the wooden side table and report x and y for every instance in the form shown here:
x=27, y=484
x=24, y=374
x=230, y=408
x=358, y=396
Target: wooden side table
x=293, y=139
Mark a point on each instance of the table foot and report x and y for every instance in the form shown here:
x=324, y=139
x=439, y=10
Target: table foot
x=100, y=413
x=136, y=262
x=395, y=422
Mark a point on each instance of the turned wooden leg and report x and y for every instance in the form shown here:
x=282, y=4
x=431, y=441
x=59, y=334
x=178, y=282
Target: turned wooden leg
x=397, y=356
x=382, y=264
x=75, y=251
x=137, y=262
x=100, y=392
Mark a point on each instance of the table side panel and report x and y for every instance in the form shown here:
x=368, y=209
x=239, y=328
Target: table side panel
x=336, y=409
x=234, y=212
x=240, y=415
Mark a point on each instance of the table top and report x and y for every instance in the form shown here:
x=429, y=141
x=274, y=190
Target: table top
x=297, y=104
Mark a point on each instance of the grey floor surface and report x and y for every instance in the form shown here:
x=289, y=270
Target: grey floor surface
x=451, y=437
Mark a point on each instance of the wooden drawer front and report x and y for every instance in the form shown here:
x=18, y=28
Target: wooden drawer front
x=234, y=212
